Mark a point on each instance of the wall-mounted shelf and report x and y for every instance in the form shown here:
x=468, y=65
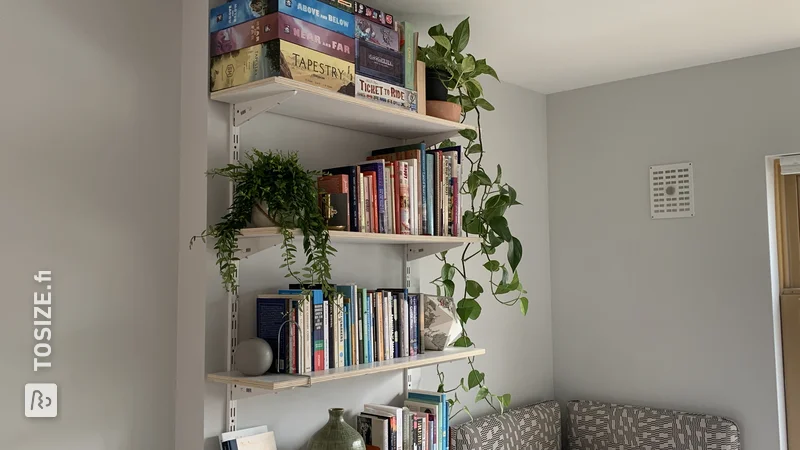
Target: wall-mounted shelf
x=278, y=382
x=290, y=98
x=254, y=240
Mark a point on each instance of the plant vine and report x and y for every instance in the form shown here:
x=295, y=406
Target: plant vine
x=490, y=199
x=278, y=186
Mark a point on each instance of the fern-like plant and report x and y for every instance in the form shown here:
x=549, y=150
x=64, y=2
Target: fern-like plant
x=287, y=193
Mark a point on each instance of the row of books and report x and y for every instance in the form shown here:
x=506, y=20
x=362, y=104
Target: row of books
x=422, y=424
x=399, y=190
x=358, y=326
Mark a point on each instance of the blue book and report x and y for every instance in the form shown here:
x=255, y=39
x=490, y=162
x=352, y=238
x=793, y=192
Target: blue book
x=350, y=292
x=272, y=312
x=318, y=326
x=367, y=341
x=378, y=166
x=235, y=12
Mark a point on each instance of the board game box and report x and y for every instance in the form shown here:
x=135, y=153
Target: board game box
x=283, y=26
x=386, y=93
x=377, y=34
x=314, y=11
x=344, y=5
x=285, y=59
x=380, y=63
x=373, y=14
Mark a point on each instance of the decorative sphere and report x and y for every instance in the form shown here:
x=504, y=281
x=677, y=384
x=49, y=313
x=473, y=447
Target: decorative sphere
x=253, y=357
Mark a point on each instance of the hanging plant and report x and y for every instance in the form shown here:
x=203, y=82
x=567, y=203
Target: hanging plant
x=276, y=185
x=484, y=215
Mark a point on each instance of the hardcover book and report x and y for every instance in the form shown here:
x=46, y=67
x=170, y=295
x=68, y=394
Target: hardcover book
x=376, y=34
x=316, y=12
x=380, y=63
x=408, y=45
x=285, y=59
x=377, y=166
x=374, y=430
x=382, y=92
x=373, y=14
x=425, y=197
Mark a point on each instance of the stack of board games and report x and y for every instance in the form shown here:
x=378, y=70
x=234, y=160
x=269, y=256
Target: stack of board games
x=409, y=189
x=386, y=55
x=311, y=41
x=421, y=424
x=310, y=332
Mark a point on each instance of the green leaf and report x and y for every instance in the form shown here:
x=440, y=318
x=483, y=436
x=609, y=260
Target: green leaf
x=514, y=285
x=487, y=249
x=463, y=341
x=461, y=36
x=481, y=102
x=505, y=400
x=482, y=393
x=449, y=288
x=499, y=175
x=473, y=182
x=441, y=388
x=523, y=305
x=475, y=378
x=504, y=280
x=474, y=88
x=467, y=66
x=468, y=134
x=512, y=195
x=514, y=253
x=474, y=289
x=468, y=309
x=474, y=148
x=472, y=224
x=496, y=205
x=499, y=225
x=492, y=266
x=482, y=177
x=494, y=239
x=443, y=41
x=437, y=30
x=448, y=272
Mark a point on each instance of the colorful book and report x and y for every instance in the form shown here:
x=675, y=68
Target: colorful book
x=396, y=421
x=362, y=204
x=377, y=166
x=369, y=201
x=404, y=198
x=414, y=151
x=374, y=430
x=439, y=400
x=408, y=44
x=319, y=324
x=352, y=173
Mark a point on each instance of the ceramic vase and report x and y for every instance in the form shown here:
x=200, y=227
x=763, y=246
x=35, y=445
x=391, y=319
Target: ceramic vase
x=336, y=435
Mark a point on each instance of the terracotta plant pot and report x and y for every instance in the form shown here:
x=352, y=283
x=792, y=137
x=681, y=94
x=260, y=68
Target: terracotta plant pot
x=444, y=110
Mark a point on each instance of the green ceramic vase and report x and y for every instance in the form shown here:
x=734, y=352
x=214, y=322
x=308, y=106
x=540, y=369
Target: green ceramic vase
x=336, y=435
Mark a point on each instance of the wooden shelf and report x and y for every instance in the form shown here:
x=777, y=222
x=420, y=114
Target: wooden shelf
x=331, y=108
x=279, y=382
x=254, y=240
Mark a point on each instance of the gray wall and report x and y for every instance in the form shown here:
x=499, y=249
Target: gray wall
x=515, y=136
x=672, y=313
x=88, y=175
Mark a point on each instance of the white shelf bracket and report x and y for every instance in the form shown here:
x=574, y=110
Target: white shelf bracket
x=417, y=251
x=243, y=112
x=251, y=246
x=240, y=392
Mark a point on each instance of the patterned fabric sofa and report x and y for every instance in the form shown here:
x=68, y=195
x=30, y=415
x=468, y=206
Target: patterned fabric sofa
x=606, y=426
x=534, y=427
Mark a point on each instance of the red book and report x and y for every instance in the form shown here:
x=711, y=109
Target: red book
x=374, y=200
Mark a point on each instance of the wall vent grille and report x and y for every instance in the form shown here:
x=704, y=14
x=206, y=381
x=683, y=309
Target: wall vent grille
x=671, y=191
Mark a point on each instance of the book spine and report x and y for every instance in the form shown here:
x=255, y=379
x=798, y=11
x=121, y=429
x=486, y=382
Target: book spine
x=326, y=337
x=423, y=164
x=405, y=211
x=421, y=320
x=293, y=340
x=365, y=327
x=340, y=326
x=388, y=184
x=362, y=204
x=410, y=53
x=396, y=327
x=379, y=339
x=393, y=433
x=346, y=327
x=405, y=341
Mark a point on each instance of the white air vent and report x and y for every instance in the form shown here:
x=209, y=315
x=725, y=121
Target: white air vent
x=671, y=191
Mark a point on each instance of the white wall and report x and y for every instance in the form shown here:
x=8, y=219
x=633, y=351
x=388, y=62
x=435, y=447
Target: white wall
x=670, y=313
x=88, y=179
x=515, y=136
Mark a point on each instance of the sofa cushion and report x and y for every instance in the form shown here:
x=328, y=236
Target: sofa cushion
x=534, y=427
x=607, y=426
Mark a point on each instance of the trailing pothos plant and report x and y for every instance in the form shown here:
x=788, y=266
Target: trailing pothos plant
x=279, y=187
x=499, y=251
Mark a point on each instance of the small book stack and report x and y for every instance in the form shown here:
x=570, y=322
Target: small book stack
x=399, y=190
x=422, y=424
x=357, y=326
x=258, y=438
